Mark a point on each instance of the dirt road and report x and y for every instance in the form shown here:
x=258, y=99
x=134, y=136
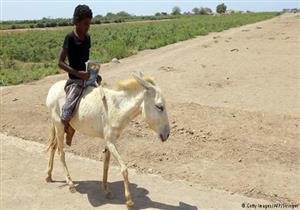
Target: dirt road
x=233, y=100
x=23, y=165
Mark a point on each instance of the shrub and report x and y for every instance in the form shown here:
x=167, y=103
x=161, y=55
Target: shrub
x=40, y=25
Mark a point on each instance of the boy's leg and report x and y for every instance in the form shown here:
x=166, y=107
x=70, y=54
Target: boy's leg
x=69, y=130
x=99, y=79
x=73, y=94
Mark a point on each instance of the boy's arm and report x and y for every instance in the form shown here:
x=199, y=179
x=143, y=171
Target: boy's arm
x=61, y=63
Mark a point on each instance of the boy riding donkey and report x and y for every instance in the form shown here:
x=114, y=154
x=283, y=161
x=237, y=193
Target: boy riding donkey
x=76, y=47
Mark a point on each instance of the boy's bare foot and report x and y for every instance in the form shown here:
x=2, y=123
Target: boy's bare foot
x=69, y=130
x=70, y=133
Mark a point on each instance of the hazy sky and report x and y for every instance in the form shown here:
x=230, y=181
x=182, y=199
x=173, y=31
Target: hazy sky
x=36, y=9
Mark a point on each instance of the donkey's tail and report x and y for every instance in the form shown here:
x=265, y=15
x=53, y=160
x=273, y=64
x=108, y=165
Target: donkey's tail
x=52, y=139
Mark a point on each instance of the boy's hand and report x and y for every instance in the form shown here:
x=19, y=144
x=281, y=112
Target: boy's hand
x=84, y=75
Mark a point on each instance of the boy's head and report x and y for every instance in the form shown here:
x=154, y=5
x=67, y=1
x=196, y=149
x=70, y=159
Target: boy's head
x=82, y=18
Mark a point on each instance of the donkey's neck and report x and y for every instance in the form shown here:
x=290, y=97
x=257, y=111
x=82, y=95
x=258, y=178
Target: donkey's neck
x=129, y=107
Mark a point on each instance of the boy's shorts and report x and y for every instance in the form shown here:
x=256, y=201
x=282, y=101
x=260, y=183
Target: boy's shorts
x=74, y=89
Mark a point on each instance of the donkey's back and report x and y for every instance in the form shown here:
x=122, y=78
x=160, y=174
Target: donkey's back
x=55, y=99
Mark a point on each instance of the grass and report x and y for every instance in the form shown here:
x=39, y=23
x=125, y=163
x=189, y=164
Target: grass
x=32, y=55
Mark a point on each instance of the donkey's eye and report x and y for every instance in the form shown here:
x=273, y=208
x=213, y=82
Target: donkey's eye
x=161, y=108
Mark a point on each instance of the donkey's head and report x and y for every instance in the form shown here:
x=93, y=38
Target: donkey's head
x=154, y=109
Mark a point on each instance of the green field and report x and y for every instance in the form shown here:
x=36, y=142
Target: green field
x=58, y=22
x=32, y=55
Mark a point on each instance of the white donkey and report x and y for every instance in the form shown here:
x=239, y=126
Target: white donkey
x=106, y=119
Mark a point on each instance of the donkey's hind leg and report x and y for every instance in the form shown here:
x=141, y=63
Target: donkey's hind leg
x=53, y=147
x=60, y=144
x=106, y=158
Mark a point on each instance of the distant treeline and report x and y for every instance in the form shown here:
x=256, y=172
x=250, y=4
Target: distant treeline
x=98, y=19
x=119, y=17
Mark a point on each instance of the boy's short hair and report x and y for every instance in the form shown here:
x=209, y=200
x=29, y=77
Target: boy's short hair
x=81, y=12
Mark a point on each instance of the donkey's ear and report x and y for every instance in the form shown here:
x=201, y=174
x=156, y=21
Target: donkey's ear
x=141, y=74
x=145, y=84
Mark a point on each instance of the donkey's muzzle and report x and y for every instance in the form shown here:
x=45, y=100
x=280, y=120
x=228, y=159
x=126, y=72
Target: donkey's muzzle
x=164, y=135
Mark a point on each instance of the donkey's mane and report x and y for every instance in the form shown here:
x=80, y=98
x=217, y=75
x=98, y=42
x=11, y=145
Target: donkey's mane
x=132, y=84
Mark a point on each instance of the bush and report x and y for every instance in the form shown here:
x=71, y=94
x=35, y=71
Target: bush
x=40, y=25
x=64, y=23
x=97, y=21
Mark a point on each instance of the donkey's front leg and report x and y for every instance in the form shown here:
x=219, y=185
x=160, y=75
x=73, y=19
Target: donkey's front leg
x=124, y=172
x=106, y=158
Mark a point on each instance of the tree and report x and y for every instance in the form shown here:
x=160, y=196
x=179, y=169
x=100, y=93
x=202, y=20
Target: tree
x=161, y=14
x=202, y=11
x=205, y=11
x=195, y=11
x=221, y=8
x=110, y=14
x=98, y=16
x=123, y=14
x=176, y=11
x=208, y=10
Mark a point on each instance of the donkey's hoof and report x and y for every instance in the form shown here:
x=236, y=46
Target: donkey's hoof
x=129, y=204
x=130, y=208
x=109, y=195
x=49, y=179
x=72, y=189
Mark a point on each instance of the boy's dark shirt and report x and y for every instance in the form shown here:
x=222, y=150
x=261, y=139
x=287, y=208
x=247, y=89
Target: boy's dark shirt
x=78, y=51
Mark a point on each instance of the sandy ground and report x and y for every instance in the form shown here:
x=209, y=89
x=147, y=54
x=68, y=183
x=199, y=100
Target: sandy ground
x=24, y=185
x=233, y=102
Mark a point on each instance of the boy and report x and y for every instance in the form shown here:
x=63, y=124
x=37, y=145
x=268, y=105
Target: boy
x=76, y=46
